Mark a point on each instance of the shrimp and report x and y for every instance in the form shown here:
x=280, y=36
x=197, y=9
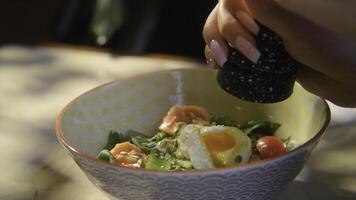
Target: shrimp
x=128, y=155
x=179, y=115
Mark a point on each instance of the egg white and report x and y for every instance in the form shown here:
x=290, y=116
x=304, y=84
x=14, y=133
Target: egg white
x=190, y=141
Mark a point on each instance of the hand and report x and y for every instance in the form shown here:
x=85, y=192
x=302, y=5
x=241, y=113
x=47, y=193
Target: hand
x=314, y=32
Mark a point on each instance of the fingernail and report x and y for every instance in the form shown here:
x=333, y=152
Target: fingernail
x=211, y=63
x=218, y=52
x=248, y=22
x=210, y=60
x=246, y=48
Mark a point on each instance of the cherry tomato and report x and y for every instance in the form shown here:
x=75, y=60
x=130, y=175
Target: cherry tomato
x=270, y=147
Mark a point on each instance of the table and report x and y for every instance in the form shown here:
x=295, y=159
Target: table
x=37, y=81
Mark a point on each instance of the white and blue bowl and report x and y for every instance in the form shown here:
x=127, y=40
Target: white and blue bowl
x=139, y=103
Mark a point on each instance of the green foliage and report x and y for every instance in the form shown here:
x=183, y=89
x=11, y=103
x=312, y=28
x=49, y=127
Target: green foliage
x=290, y=144
x=148, y=144
x=224, y=120
x=114, y=138
x=159, y=161
x=260, y=127
x=105, y=155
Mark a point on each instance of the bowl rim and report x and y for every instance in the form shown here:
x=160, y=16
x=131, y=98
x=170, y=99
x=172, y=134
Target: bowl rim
x=71, y=149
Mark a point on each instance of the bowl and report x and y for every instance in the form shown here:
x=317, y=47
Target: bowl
x=139, y=103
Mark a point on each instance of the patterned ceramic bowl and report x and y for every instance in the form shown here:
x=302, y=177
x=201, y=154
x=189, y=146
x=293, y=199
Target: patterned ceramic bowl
x=139, y=103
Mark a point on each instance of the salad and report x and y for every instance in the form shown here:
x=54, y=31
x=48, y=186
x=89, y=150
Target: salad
x=190, y=138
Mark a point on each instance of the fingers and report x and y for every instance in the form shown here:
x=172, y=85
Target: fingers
x=210, y=30
x=230, y=22
x=210, y=58
x=330, y=55
x=229, y=27
x=214, y=40
x=239, y=10
x=322, y=85
x=326, y=13
x=234, y=32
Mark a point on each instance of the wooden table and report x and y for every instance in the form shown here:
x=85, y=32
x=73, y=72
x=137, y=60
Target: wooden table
x=36, y=82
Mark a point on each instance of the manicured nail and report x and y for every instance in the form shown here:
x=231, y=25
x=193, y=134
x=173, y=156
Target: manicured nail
x=246, y=48
x=210, y=60
x=248, y=22
x=218, y=52
x=211, y=63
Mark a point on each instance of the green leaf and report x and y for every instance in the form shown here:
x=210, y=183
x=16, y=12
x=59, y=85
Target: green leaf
x=224, y=120
x=261, y=127
x=143, y=143
x=167, y=145
x=148, y=144
x=132, y=133
x=113, y=139
x=158, y=137
x=185, y=164
x=289, y=143
x=106, y=155
x=159, y=162
x=179, y=154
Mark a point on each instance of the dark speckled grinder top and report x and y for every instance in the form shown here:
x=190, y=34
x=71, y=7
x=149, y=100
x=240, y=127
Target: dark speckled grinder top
x=270, y=80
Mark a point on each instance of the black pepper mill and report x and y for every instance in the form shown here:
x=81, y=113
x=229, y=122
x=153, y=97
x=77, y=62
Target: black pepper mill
x=269, y=80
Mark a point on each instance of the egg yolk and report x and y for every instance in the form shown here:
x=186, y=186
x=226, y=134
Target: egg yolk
x=216, y=143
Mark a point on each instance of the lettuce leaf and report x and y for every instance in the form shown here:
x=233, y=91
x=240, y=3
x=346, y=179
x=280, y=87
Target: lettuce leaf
x=105, y=155
x=260, y=127
x=184, y=164
x=158, y=161
x=148, y=144
x=289, y=143
x=114, y=138
x=224, y=120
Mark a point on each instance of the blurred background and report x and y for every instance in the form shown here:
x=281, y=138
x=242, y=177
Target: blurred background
x=54, y=50
x=125, y=26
